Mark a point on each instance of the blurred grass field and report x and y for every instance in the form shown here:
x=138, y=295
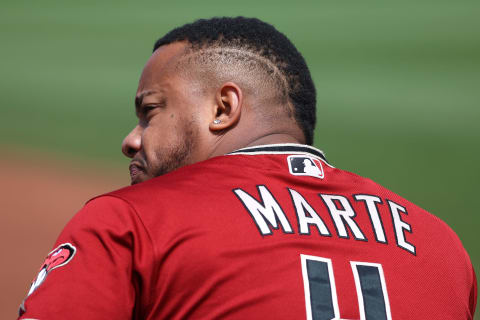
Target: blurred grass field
x=398, y=85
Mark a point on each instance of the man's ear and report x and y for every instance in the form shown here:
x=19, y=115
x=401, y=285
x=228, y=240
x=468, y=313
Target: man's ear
x=228, y=106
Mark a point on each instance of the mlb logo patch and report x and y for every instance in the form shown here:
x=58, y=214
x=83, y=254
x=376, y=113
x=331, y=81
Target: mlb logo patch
x=305, y=166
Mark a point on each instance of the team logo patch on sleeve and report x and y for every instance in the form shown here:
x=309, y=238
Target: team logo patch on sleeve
x=305, y=166
x=59, y=257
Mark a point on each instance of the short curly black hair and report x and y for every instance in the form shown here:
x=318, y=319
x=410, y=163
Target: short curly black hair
x=257, y=39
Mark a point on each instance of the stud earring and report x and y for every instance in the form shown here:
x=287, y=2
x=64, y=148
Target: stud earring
x=216, y=121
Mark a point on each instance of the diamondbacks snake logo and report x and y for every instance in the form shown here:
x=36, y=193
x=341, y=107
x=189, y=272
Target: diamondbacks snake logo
x=59, y=257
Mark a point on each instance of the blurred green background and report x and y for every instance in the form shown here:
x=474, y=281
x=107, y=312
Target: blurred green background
x=398, y=85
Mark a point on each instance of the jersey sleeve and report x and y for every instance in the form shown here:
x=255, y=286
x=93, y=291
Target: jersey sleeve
x=96, y=268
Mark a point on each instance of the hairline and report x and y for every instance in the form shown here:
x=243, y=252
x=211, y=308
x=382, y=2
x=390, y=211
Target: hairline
x=193, y=51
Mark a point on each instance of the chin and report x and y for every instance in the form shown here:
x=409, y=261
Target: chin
x=138, y=178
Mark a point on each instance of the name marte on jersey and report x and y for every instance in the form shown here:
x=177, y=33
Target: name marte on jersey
x=267, y=214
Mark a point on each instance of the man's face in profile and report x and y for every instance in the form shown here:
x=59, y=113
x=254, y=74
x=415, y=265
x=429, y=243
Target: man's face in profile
x=169, y=117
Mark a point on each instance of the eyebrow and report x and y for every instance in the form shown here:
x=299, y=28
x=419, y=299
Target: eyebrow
x=139, y=98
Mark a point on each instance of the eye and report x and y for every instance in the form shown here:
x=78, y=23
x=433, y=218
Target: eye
x=147, y=109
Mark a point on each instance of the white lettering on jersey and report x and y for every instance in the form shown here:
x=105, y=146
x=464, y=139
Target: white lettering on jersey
x=400, y=225
x=371, y=206
x=265, y=212
x=304, y=222
x=342, y=217
x=268, y=215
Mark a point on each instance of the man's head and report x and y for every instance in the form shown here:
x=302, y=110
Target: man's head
x=214, y=86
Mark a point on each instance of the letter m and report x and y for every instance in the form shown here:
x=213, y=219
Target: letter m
x=266, y=213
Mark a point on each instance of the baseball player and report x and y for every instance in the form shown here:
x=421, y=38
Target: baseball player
x=232, y=214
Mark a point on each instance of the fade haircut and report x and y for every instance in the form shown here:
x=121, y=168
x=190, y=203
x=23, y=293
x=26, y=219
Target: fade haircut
x=255, y=47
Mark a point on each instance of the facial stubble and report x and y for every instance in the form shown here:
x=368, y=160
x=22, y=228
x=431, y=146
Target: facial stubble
x=177, y=156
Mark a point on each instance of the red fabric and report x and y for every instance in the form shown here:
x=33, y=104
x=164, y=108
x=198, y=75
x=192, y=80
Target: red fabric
x=183, y=246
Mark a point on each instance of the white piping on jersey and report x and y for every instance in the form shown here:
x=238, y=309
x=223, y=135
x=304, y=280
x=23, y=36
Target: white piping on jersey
x=253, y=153
x=282, y=145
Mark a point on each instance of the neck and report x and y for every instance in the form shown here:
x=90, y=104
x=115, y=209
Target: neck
x=273, y=138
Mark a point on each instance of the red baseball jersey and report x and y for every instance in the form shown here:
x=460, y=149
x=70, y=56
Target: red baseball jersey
x=268, y=232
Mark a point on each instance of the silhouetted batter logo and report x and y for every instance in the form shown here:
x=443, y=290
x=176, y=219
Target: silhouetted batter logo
x=57, y=258
x=305, y=166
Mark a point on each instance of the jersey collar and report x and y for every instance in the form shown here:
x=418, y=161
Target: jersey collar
x=283, y=148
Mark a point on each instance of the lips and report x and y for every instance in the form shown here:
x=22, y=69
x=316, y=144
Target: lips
x=135, y=170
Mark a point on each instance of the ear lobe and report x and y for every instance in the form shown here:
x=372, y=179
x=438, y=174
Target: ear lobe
x=229, y=102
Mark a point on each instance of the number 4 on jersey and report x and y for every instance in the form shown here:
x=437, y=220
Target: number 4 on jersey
x=321, y=293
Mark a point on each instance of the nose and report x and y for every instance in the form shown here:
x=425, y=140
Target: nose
x=132, y=142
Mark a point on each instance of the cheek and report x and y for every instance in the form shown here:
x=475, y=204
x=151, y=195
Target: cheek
x=158, y=137
x=152, y=139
